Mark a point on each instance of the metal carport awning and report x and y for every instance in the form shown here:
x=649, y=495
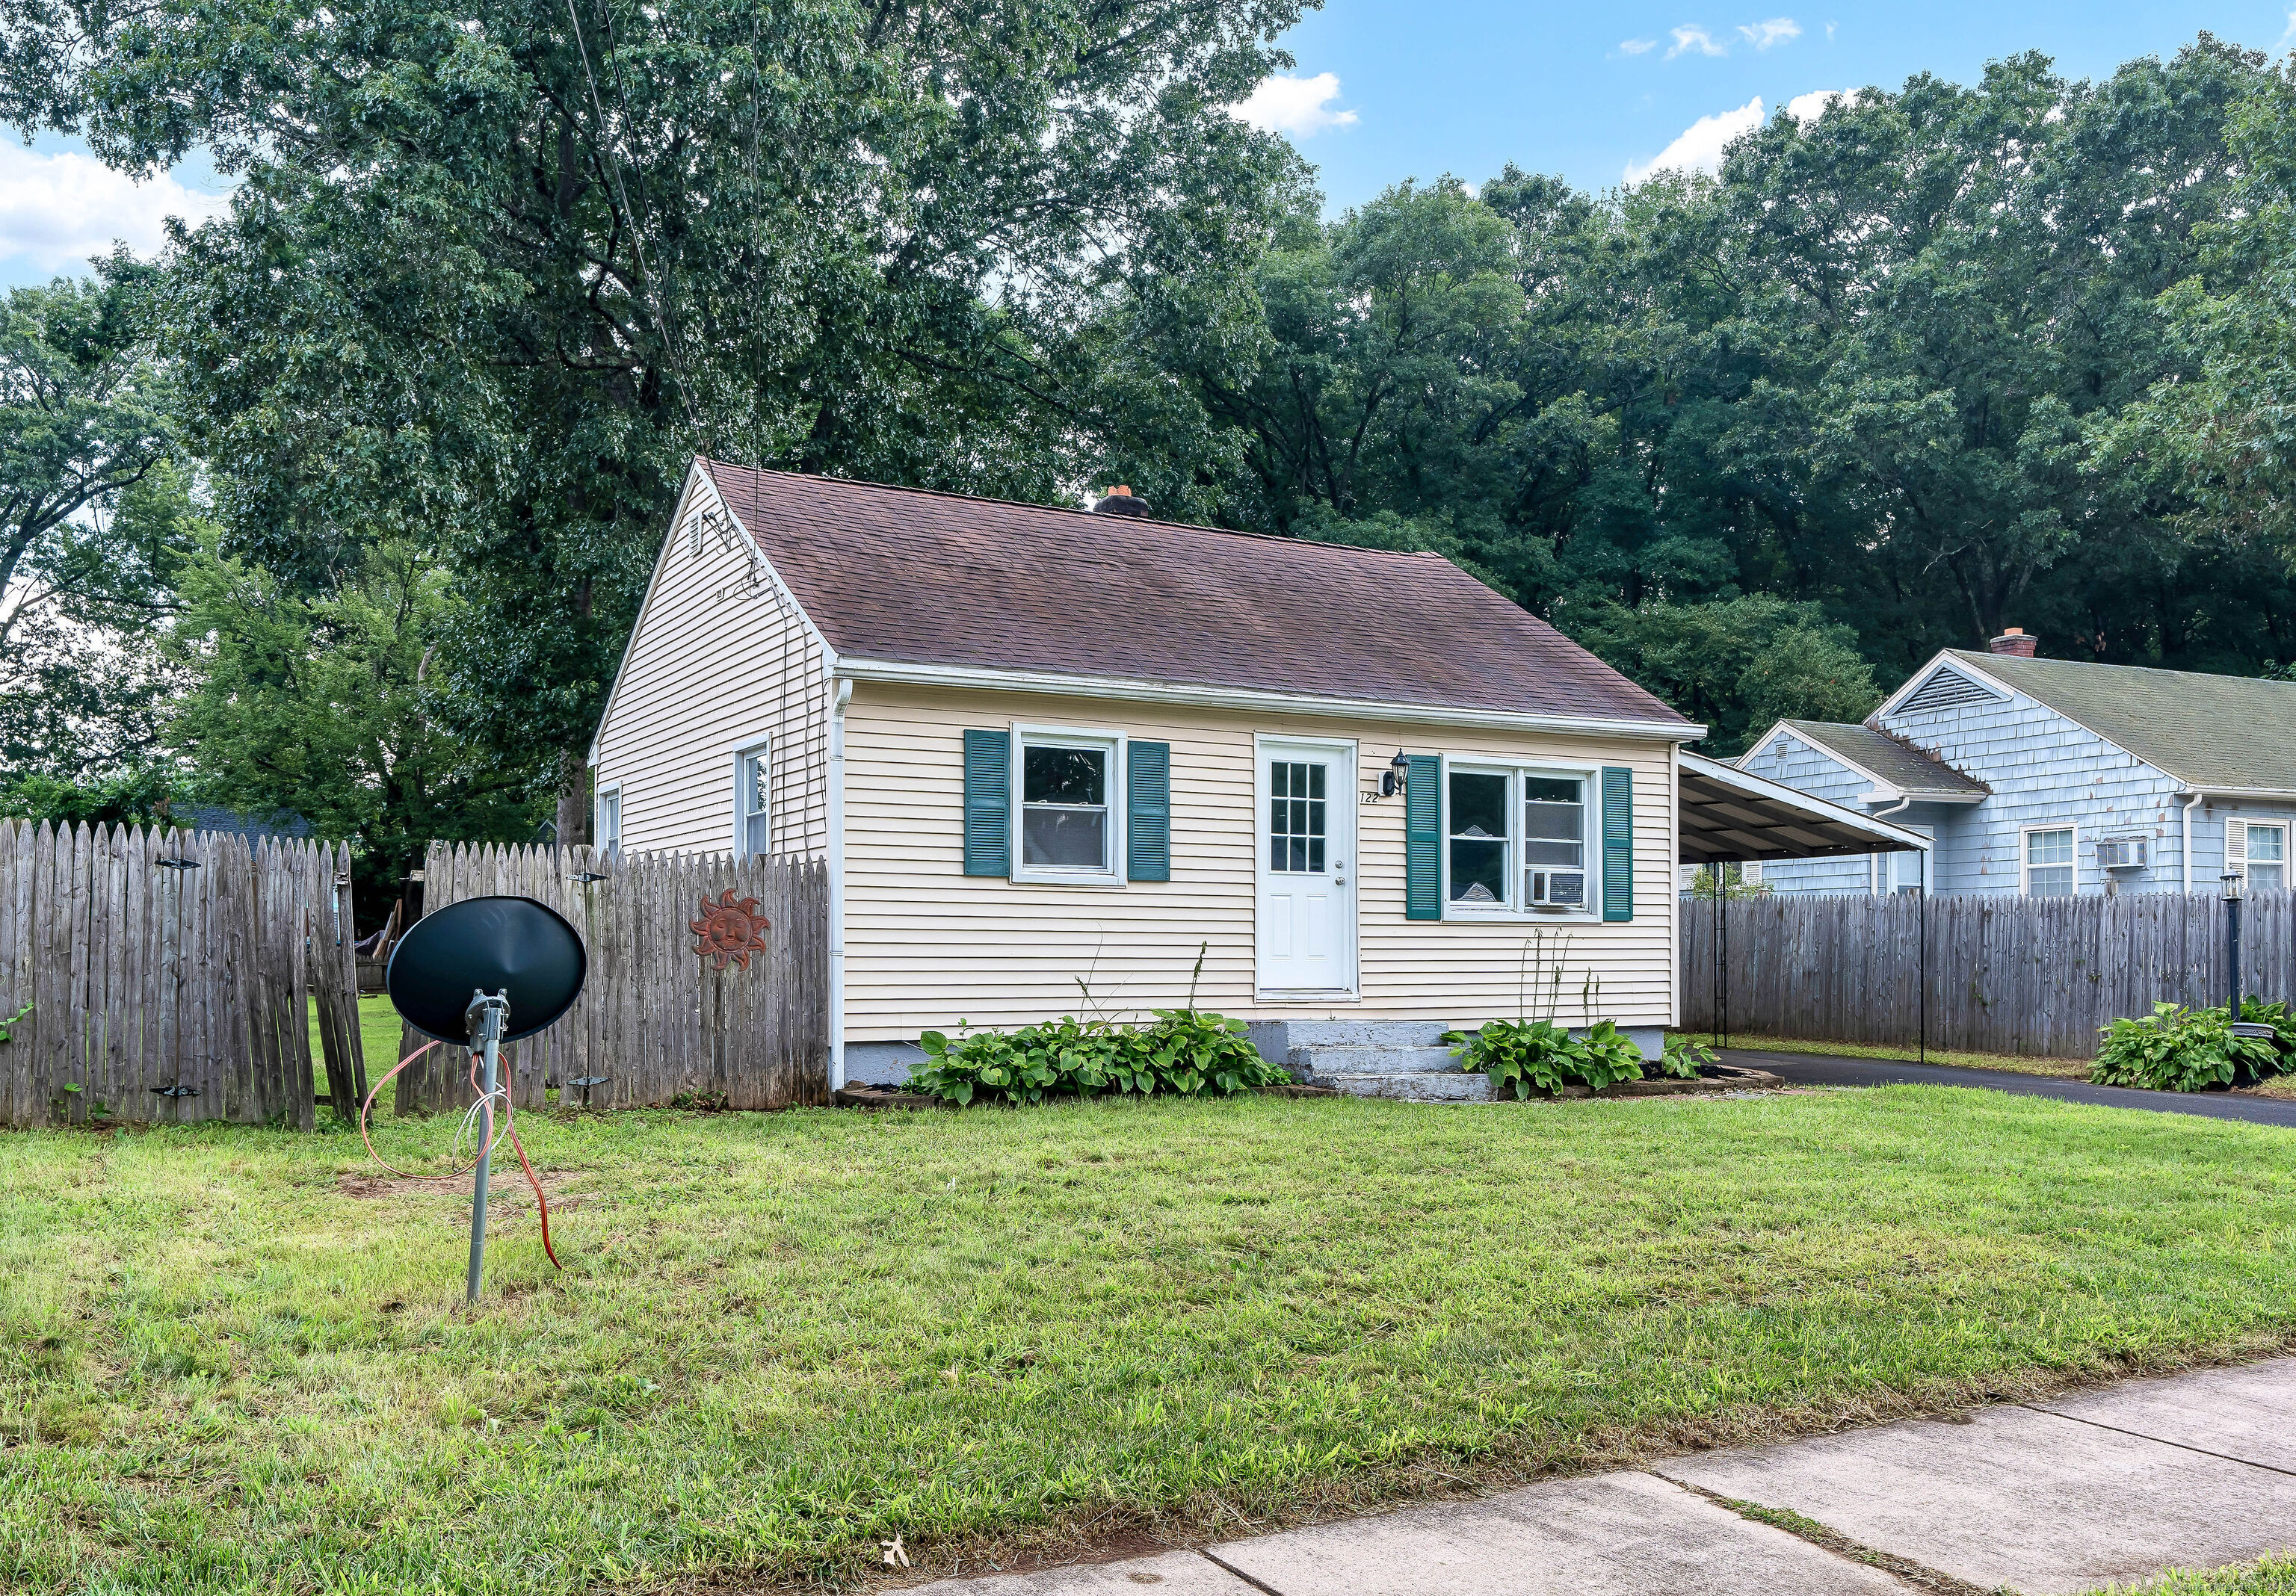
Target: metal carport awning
x=1728, y=815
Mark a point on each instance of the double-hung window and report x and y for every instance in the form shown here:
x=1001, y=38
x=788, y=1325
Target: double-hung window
x=2267, y=857
x=610, y=819
x=1516, y=840
x=2049, y=863
x=753, y=802
x=1069, y=800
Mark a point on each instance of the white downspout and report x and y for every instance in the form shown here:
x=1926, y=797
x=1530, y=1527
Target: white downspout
x=2188, y=839
x=843, y=695
x=1877, y=858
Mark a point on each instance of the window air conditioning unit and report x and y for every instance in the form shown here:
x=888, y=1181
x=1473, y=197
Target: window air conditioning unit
x=2122, y=853
x=1558, y=889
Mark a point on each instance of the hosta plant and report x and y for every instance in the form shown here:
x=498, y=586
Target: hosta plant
x=1185, y=1052
x=1538, y=1055
x=2177, y=1049
x=1684, y=1059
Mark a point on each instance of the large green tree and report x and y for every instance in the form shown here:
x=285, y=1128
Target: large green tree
x=495, y=269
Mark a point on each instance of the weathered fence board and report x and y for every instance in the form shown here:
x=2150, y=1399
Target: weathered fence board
x=657, y=1017
x=158, y=960
x=2038, y=976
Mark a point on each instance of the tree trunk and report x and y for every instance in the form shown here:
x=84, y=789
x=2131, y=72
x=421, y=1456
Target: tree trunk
x=573, y=800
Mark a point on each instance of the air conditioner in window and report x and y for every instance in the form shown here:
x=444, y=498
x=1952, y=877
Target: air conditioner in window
x=1558, y=889
x=2121, y=853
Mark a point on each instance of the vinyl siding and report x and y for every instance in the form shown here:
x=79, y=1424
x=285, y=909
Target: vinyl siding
x=719, y=656
x=2045, y=770
x=927, y=946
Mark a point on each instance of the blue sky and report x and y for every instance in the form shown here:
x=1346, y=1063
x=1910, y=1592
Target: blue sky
x=1388, y=89
x=1589, y=91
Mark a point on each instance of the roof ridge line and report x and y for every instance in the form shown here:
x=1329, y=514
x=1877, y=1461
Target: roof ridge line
x=710, y=464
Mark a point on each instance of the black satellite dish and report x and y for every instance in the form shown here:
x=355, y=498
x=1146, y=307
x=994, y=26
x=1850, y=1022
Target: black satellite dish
x=511, y=945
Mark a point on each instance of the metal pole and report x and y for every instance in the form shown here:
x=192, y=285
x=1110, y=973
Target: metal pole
x=1714, y=1011
x=486, y=1035
x=1922, y=963
x=2232, y=956
x=1722, y=904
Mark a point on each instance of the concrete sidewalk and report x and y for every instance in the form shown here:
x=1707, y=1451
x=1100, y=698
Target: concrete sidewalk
x=2197, y=1470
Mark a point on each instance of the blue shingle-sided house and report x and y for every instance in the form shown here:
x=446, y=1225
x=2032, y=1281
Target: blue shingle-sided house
x=2053, y=777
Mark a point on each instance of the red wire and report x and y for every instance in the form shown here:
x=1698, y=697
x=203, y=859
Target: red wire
x=509, y=1127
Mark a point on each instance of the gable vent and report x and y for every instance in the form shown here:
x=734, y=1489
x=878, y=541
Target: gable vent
x=1945, y=690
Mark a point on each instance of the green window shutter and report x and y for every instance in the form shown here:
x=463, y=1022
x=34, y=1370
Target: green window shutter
x=1422, y=839
x=1618, y=843
x=1148, y=811
x=987, y=803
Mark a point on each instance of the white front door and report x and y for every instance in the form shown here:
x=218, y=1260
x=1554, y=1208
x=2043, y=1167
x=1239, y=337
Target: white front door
x=1307, y=826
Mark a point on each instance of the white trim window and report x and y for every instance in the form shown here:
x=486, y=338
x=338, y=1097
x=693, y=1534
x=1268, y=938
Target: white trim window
x=1517, y=839
x=2267, y=857
x=753, y=800
x=2048, y=855
x=609, y=828
x=1068, y=803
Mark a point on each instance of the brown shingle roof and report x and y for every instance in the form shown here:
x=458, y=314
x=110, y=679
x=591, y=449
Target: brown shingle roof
x=1882, y=756
x=929, y=578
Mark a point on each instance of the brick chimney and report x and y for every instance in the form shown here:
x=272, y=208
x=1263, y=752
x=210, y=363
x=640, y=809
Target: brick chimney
x=1120, y=500
x=2017, y=641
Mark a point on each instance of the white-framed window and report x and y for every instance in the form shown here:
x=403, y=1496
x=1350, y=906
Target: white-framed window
x=2049, y=871
x=753, y=800
x=1517, y=841
x=609, y=832
x=1068, y=801
x=2267, y=857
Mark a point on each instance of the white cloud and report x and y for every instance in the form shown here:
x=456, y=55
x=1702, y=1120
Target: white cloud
x=56, y=210
x=1829, y=27
x=1694, y=39
x=1637, y=47
x=1809, y=107
x=2288, y=34
x=1778, y=30
x=1299, y=106
x=1700, y=147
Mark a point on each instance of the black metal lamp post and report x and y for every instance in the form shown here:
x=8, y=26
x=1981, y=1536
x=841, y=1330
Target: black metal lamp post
x=2235, y=888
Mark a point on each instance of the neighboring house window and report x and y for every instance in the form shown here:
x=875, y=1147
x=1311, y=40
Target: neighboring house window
x=1070, y=804
x=753, y=802
x=1515, y=840
x=2049, y=863
x=610, y=819
x=2267, y=857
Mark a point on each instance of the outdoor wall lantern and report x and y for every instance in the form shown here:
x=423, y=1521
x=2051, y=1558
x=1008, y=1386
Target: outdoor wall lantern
x=1396, y=777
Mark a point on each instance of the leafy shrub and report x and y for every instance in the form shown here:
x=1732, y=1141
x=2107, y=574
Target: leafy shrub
x=1684, y=1059
x=1524, y=1056
x=1185, y=1052
x=2177, y=1049
x=2255, y=1011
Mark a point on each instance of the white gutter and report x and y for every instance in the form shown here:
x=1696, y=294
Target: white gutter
x=2189, y=802
x=841, y=695
x=1141, y=690
x=1874, y=870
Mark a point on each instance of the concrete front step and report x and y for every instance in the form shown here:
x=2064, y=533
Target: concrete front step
x=1275, y=1038
x=1448, y=1086
x=1322, y=1061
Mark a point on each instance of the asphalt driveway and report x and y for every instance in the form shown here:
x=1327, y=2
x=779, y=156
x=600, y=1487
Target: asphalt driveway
x=1821, y=1069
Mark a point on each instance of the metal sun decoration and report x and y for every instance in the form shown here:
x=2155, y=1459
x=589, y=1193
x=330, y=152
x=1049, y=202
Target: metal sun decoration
x=729, y=931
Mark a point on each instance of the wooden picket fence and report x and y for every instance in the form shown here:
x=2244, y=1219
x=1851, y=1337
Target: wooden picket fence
x=659, y=1020
x=2037, y=976
x=170, y=976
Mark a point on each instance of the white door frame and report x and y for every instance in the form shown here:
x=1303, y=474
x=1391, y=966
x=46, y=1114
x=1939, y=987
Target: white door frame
x=1345, y=849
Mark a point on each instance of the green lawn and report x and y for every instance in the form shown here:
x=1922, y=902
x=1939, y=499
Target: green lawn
x=2273, y=1577
x=783, y=1337
x=2014, y=1063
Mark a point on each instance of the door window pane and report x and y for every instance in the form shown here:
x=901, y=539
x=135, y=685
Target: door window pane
x=1299, y=816
x=1479, y=838
x=2049, y=864
x=2267, y=857
x=1064, y=807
